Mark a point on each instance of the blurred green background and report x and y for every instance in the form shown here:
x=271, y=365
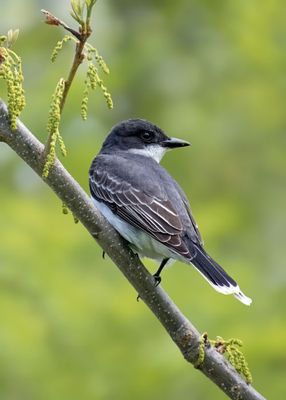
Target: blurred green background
x=211, y=72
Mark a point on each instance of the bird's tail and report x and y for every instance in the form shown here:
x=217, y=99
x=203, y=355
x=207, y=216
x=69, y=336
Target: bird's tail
x=217, y=277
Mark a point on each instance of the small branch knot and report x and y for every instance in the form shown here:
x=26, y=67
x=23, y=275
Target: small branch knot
x=201, y=350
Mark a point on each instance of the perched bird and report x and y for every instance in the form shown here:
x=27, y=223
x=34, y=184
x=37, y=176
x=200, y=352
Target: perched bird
x=147, y=206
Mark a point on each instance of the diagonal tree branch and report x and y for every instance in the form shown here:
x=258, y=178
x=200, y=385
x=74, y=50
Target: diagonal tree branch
x=180, y=329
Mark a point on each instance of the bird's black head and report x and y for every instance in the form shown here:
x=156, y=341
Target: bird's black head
x=141, y=137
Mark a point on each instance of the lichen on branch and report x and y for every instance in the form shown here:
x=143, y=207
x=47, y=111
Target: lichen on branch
x=230, y=349
x=11, y=73
x=58, y=47
x=81, y=13
x=53, y=127
x=93, y=80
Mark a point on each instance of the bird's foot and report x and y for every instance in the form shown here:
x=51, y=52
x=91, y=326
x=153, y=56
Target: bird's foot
x=157, y=279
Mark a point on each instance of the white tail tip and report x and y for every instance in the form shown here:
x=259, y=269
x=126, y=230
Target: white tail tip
x=244, y=299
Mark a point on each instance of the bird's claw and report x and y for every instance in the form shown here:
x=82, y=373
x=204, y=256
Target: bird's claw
x=157, y=279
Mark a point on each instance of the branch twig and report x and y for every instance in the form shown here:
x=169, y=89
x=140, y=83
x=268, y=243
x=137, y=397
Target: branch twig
x=180, y=329
x=82, y=37
x=52, y=20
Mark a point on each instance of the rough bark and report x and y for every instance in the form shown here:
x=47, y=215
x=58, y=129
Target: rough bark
x=180, y=329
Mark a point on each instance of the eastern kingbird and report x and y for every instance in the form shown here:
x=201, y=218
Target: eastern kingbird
x=147, y=206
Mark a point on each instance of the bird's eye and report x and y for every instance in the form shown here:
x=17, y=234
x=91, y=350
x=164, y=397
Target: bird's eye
x=146, y=136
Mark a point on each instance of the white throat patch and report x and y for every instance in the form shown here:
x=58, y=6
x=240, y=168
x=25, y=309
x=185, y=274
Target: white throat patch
x=154, y=151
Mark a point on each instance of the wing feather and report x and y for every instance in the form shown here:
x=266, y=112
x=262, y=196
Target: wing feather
x=153, y=215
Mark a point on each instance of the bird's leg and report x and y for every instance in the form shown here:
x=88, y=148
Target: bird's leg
x=157, y=276
x=103, y=254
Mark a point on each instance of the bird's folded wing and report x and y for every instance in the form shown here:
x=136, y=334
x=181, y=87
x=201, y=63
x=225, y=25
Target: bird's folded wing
x=153, y=215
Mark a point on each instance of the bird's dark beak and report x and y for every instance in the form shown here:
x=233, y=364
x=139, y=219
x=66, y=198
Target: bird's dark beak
x=172, y=143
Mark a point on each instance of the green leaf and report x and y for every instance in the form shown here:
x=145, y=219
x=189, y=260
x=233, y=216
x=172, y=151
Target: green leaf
x=12, y=36
x=77, y=9
x=76, y=18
